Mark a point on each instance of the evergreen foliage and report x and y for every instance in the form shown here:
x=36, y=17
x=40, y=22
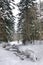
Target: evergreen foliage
x=28, y=22
x=8, y=18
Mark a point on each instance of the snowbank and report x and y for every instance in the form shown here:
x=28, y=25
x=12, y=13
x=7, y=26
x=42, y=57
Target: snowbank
x=15, y=42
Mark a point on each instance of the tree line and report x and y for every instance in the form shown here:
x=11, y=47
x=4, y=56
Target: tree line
x=28, y=23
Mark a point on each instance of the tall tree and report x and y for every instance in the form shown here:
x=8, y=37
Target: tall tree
x=8, y=19
x=27, y=18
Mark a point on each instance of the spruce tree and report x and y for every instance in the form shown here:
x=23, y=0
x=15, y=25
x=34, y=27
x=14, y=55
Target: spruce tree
x=27, y=18
x=8, y=18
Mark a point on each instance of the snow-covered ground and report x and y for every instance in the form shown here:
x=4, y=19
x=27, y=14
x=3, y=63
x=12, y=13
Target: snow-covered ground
x=16, y=42
x=8, y=58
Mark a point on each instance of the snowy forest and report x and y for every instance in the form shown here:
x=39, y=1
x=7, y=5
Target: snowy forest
x=21, y=32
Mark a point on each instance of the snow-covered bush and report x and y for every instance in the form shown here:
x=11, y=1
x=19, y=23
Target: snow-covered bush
x=6, y=45
x=3, y=45
x=30, y=54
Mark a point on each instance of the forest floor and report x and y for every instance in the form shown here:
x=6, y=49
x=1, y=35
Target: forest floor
x=9, y=58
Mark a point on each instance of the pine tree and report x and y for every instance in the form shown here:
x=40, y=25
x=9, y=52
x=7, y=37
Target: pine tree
x=27, y=18
x=8, y=19
x=34, y=30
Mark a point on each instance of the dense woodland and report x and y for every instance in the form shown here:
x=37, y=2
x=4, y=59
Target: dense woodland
x=29, y=23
